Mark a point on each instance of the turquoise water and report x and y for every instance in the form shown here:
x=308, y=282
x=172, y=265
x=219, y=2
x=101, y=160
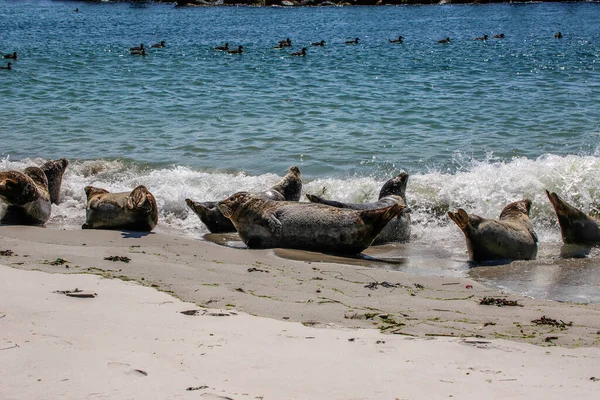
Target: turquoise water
x=342, y=110
x=476, y=124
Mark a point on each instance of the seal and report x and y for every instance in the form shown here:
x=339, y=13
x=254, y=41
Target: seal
x=135, y=210
x=576, y=227
x=26, y=196
x=398, y=229
x=287, y=189
x=54, y=170
x=265, y=224
x=511, y=237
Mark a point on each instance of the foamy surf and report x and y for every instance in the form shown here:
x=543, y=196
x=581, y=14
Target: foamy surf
x=480, y=187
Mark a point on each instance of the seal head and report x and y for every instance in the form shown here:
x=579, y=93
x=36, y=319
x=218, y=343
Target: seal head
x=290, y=186
x=511, y=237
x=576, y=227
x=136, y=210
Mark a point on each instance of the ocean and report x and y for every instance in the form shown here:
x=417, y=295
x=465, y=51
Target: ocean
x=476, y=124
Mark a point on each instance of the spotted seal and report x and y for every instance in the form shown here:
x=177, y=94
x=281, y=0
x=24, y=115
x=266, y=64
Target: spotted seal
x=54, y=170
x=576, y=227
x=265, y=223
x=26, y=196
x=509, y=237
x=398, y=229
x=288, y=188
x=136, y=210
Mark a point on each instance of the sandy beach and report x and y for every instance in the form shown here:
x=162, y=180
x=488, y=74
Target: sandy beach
x=184, y=318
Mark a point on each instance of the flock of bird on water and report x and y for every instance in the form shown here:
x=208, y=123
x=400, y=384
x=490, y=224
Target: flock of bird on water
x=282, y=44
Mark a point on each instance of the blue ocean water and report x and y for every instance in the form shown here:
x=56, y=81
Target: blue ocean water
x=477, y=124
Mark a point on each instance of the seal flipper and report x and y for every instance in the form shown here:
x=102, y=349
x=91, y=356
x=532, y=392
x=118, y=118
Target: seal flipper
x=141, y=200
x=381, y=216
x=273, y=224
x=317, y=199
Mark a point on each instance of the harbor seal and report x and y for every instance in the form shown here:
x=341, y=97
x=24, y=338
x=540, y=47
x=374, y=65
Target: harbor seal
x=307, y=226
x=288, y=189
x=54, y=170
x=136, y=210
x=26, y=197
x=511, y=237
x=398, y=229
x=576, y=227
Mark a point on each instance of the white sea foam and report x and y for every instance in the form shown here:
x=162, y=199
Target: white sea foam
x=480, y=187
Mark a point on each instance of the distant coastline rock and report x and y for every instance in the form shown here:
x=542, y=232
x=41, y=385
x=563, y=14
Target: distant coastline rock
x=324, y=3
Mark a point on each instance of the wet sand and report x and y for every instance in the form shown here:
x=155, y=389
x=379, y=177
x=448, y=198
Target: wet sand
x=314, y=311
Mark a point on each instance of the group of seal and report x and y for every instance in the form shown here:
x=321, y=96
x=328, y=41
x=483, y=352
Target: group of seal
x=276, y=218
x=511, y=237
x=398, y=229
x=287, y=189
x=263, y=223
x=28, y=197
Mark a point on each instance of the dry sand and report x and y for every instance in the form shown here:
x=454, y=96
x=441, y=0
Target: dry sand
x=268, y=327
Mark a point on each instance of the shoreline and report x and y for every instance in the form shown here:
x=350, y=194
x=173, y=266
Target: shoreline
x=130, y=341
x=316, y=294
x=257, y=326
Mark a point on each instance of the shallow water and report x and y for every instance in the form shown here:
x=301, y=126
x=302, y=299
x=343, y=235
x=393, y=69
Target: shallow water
x=476, y=124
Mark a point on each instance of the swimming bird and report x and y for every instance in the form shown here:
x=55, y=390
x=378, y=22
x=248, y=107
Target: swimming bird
x=299, y=53
x=224, y=48
x=159, y=45
x=321, y=43
x=141, y=52
x=558, y=35
x=8, y=67
x=355, y=41
x=399, y=40
x=12, y=56
x=447, y=40
x=139, y=48
x=239, y=50
x=499, y=36
x=482, y=38
x=285, y=43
